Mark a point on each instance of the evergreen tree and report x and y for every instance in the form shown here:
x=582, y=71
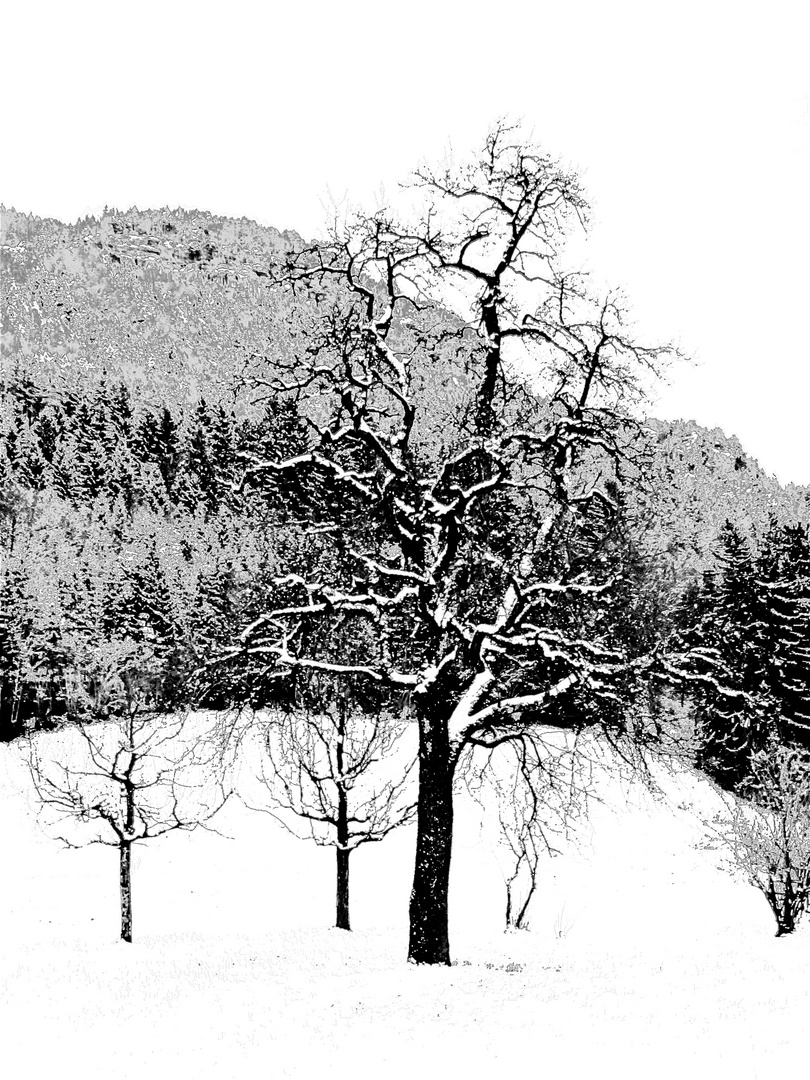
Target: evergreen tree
x=49, y=430
x=199, y=460
x=120, y=412
x=30, y=466
x=90, y=461
x=48, y=661
x=64, y=473
x=784, y=567
x=724, y=632
x=139, y=607
x=745, y=635
x=167, y=448
x=146, y=436
x=120, y=479
x=12, y=632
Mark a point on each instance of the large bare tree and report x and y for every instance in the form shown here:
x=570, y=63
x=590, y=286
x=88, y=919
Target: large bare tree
x=467, y=400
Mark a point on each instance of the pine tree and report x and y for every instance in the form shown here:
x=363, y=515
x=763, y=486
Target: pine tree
x=146, y=436
x=48, y=661
x=222, y=443
x=155, y=451
x=120, y=480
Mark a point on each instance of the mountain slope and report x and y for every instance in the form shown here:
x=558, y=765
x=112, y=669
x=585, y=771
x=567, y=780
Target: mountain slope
x=176, y=305
x=171, y=302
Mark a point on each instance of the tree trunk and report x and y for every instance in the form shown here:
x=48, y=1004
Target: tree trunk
x=781, y=907
x=492, y=364
x=126, y=845
x=342, y=898
x=125, y=876
x=520, y=923
x=342, y=917
x=429, y=943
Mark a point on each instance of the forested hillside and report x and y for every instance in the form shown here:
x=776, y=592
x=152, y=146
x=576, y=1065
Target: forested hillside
x=125, y=431
x=127, y=423
x=175, y=306
x=696, y=480
x=171, y=303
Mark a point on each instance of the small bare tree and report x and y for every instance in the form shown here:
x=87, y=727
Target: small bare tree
x=124, y=772
x=768, y=839
x=340, y=770
x=539, y=788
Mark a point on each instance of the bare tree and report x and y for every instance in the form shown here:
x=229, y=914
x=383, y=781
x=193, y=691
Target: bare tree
x=123, y=773
x=539, y=788
x=342, y=770
x=477, y=531
x=768, y=837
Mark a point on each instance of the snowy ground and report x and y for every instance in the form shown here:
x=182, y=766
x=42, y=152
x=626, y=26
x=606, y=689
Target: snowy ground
x=644, y=958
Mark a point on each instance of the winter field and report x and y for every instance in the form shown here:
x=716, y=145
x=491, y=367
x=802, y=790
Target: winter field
x=644, y=958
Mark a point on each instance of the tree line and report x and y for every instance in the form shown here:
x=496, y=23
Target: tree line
x=101, y=442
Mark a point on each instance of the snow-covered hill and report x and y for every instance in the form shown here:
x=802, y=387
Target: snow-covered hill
x=644, y=958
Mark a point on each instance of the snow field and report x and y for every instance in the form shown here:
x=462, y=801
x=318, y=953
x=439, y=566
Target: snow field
x=644, y=958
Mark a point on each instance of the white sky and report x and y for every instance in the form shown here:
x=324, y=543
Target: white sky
x=689, y=124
